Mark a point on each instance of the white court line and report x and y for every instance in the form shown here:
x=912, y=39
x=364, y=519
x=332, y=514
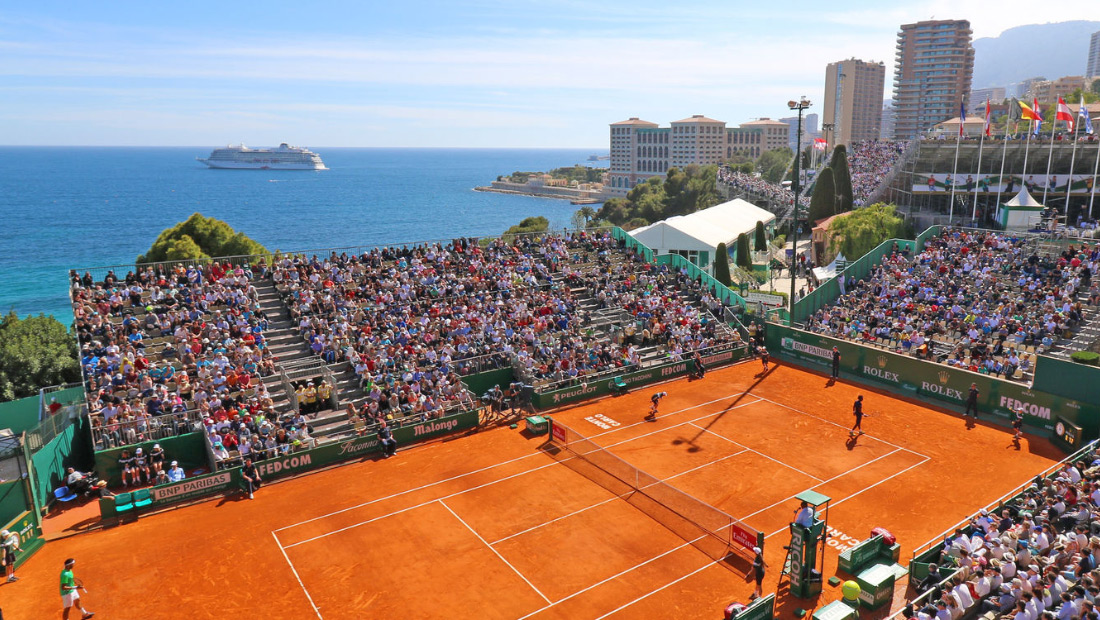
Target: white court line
x=296, y=576
x=894, y=445
x=783, y=529
x=494, y=551
x=679, y=411
x=757, y=452
x=520, y=458
x=608, y=500
x=823, y=482
x=615, y=576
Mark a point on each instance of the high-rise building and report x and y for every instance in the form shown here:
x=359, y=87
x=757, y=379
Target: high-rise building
x=1092, y=68
x=809, y=129
x=979, y=96
x=886, y=130
x=1048, y=91
x=933, y=69
x=853, y=100
x=641, y=149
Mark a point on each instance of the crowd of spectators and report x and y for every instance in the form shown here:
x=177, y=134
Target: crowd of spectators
x=986, y=297
x=1036, y=559
x=161, y=350
x=869, y=162
x=411, y=321
x=778, y=194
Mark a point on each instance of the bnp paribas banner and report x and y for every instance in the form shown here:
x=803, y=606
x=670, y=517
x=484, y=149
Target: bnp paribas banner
x=922, y=379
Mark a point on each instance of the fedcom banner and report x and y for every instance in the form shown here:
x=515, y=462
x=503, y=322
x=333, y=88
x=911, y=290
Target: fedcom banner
x=928, y=380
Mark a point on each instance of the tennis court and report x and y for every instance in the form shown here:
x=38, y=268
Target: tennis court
x=500, y=525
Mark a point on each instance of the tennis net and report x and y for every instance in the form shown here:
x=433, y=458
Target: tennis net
x=709, y=529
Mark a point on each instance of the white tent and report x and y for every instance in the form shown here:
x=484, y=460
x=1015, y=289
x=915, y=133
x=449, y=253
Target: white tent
x=696, y=236
x=1021, y=212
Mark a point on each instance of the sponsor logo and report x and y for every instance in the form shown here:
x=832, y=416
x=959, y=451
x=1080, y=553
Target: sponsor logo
x=743, y=537
x=1029, y=408
x=942, y=390
x=558, y=432
x=881, y=372
x=675, y=369
x=434, y=427
x=796, y=558
x=580, y=391
x=809, y=349
x=1072, y=404
x=944, y=377
x=287, y=464
x=190, y=486
x=718, y=357
x=839, y=540
x=357, y=446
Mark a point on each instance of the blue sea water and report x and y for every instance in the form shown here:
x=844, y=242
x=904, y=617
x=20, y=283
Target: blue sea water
x=78, y=207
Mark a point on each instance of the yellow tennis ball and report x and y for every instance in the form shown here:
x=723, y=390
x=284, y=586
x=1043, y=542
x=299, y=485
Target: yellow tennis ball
x=850, y=590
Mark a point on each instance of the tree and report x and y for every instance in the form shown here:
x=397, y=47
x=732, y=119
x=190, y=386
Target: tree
x=856, y=233
x=772, y=165
x=35, y=352
x=680, y=192
x=761, y=241
x=200, y=237
x=529, y=225
x=581, y=217
x=722, y=265
x=842, y=178
x=743, y=259
x=822, y=201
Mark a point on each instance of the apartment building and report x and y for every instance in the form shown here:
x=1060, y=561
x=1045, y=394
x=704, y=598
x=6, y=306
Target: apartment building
x=934, y=66
x=853, y=100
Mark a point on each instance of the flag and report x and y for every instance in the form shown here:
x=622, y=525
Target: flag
x=1063, y=113
x=962, y=117
x=1084, y=114
x=1038, y=122
x=1027, y=113
x=820, y=143
x=987, y=119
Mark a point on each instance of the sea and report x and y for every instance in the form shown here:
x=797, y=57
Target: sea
x=68, y=208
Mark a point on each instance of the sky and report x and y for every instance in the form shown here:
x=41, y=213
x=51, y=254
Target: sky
x=482, y=73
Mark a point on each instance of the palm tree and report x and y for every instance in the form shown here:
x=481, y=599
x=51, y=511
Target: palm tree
x=587, y=213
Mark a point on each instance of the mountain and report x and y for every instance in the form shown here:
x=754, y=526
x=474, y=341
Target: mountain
x=1048, y=50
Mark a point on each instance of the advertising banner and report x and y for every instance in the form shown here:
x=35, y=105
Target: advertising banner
x=196, y=487
x=930, y=183
x=928, y=380
x=653, y=374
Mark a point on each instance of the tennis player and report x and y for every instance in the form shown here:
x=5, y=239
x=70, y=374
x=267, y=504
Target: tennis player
x=10, y=541
x=1018, y=423
x=763, y=351
x=654, y=402
x=857, y=411
x=70, y=592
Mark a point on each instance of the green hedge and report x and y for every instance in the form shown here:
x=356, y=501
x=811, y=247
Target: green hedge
x=1086, y=357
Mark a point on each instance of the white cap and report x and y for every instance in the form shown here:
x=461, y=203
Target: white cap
x=175, y=463
x=756, y=550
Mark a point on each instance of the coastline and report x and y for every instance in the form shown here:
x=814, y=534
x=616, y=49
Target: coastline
x=575, y=196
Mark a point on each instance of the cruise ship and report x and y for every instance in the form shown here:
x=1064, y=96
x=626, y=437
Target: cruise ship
x=283, y=158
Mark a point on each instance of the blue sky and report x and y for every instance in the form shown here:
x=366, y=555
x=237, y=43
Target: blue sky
x=486, y=73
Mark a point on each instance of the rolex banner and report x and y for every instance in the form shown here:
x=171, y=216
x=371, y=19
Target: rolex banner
x=931, y=381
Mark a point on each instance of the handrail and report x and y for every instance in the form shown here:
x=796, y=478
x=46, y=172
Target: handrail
x=115, y=434
x=927, y=593
x=603, y=374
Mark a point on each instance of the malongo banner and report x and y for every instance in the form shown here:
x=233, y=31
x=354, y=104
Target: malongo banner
x=653, y=374
x=928, y=380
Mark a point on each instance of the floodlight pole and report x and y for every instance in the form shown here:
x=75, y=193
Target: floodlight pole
x=799, y=105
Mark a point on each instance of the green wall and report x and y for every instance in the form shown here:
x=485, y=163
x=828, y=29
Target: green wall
x=13, y=500
x=71, y=448
x=1069, y=379
x=189, y=450
x=911, y=377
x=481, y=382
x=19, y=415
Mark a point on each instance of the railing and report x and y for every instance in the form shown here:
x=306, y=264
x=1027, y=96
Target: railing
x=288, y=389
x=126, y=432
x=54, y=425
x=476, y=365
x=44, y=393
x=611, y=372
x=719, y=290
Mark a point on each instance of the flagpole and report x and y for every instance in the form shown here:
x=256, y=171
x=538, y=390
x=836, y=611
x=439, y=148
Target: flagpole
x=1027, y=146
x=1050, y=156
x=1072, y=160
x=1001, y=178
x=1095, y=170
x=954, y=173
x=981, y=150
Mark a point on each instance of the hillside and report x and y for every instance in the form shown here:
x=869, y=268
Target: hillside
x=1047, y=50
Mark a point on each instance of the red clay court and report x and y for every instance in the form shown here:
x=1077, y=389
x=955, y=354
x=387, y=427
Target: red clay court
x=491, y=526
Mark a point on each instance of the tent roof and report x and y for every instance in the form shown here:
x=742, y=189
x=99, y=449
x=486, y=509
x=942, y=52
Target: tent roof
x=1023, y=199
x=718, y=224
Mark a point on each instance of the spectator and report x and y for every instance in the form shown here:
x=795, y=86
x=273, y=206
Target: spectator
x=175, y=472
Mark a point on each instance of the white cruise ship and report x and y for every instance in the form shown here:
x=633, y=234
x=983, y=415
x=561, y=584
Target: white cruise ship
x=283, y=158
